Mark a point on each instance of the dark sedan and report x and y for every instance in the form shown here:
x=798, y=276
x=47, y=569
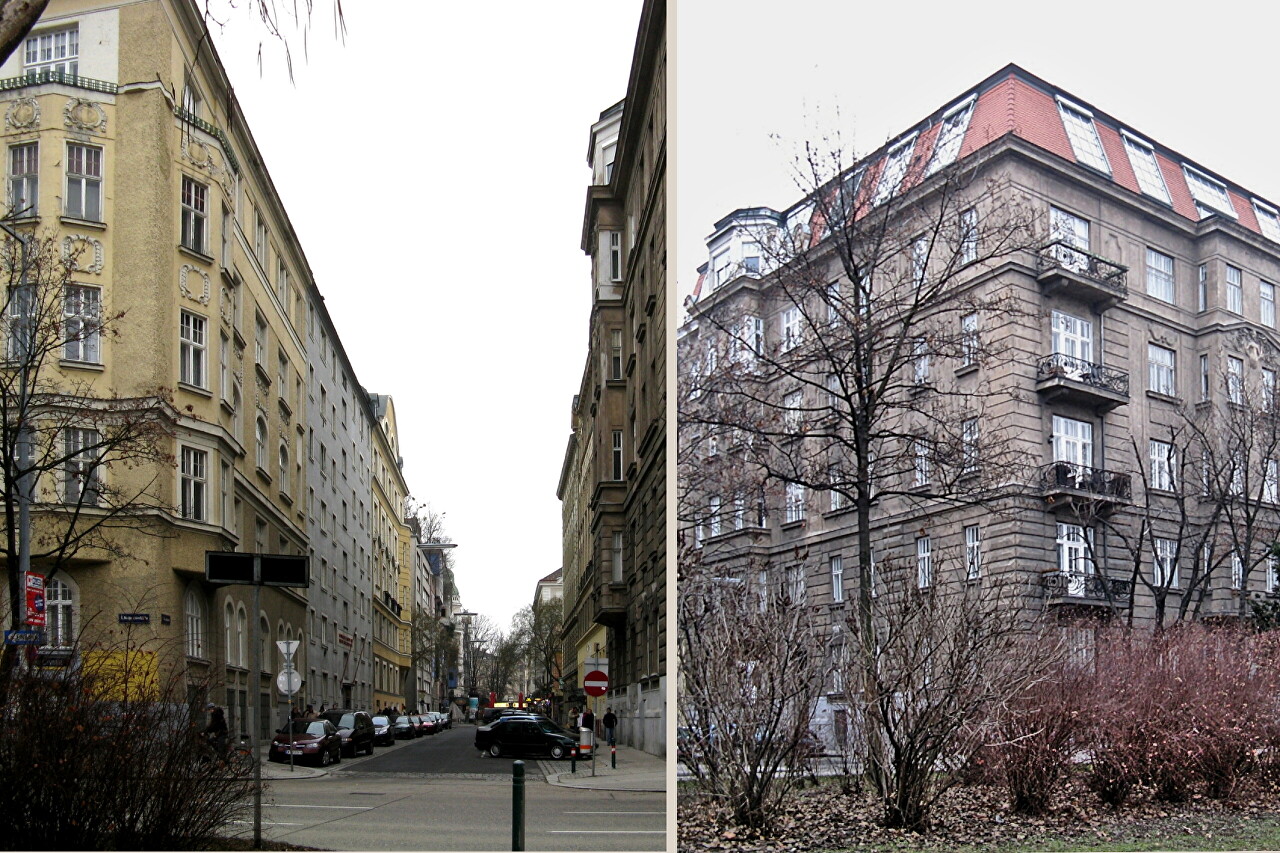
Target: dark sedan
x=307, y=740
x=525, y=735
x=404, y=727
x=356, y=730
x=384, y=734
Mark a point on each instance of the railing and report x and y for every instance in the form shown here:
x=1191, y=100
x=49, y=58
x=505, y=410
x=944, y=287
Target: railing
x=1084, y=585
x=1069, y=475
x=1108, y=274
x=51, y=76
x=1062, y=366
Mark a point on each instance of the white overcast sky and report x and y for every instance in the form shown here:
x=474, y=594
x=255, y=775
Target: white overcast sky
x=434, y=168
x=1195, y=78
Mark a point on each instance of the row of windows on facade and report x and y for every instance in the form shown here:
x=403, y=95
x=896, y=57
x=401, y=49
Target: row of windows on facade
x=235, y=633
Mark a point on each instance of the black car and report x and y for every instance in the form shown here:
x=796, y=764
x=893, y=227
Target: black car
x=404, y=727
x=355, y=728
x=525, y=734
x=307, y=740
x=384, y=734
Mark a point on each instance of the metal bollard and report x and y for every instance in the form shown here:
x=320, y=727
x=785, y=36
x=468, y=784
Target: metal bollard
x=517, y=805
x=613, y=755
x=573, y=760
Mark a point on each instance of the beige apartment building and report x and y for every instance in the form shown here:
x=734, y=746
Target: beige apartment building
x=1129, y=389
x=613, y=481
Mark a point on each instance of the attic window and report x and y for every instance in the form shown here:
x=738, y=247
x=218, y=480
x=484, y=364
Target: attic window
x=1143, y=159
x=1210, y=194
x=1268, y=220
x=954, y=123
x=895, y=166
x=1083, y=135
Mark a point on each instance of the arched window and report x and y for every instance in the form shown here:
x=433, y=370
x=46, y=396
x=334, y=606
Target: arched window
x=260, y=435
x=242, y=627
x=284, y=469
x=59, y=603
x=264, y=643
x=228, y=627
x=194, y=606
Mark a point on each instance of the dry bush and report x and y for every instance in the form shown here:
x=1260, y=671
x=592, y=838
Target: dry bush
x=1038, y=738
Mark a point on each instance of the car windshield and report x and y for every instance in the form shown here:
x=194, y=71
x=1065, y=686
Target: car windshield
x=381, y=721
x=348, y=721
x=305, y=727
x=403, y=720
x=551, y=728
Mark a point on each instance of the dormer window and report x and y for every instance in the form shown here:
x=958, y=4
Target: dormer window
x=954, y=123
x=1268, y=220
x=895, y=166
x=1210, y=194
x=1142, y=157
x=52, y=51
x=1085, y=143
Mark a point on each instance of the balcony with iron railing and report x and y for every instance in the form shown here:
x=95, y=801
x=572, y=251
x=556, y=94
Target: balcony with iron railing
x=1081, y=489
x=1086, y=589
x=1061, y=267
x=1064, y=377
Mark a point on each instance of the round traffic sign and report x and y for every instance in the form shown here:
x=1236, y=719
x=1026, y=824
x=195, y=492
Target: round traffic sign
x=289, y=681
x=596, y=683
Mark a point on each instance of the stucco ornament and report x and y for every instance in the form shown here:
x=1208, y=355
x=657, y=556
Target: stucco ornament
x=77, y=247
x=22, y=114
x=81, y=114
x=225, y=305
x=203, y=297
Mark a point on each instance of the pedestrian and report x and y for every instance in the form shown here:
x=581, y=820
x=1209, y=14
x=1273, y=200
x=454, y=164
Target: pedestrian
x=610, y=721
x=589, y=721
x=310, y=713
x=215, y=732
x=575, y=718
x=294, y=713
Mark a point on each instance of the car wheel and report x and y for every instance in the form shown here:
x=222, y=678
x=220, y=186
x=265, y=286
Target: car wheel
x=368, y=750
x=337, y=757
x=325, y=758
x=495, y=749
x=557, y=751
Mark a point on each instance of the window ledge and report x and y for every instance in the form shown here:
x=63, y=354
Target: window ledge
x=262, y=473
x=792, y=525
x=966, y=369
x=195, y=254
x=195, y=389
x=65, y=363
x=1168, y=398
x=261, y=370
x=83, y=223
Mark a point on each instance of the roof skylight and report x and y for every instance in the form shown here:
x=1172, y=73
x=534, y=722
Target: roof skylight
x=895, y=166
x=1083, y=135
x=947, y=145
x=1143, y=159
x=1210, y=194
x=1268, y=220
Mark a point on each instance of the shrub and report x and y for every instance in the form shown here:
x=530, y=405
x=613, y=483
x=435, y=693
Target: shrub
x=1037, y=740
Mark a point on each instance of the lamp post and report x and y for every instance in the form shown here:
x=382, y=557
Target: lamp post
x=25, y=307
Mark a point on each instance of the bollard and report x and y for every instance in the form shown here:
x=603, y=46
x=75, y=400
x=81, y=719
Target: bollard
x=517, y=806
x=613, y=755
x=573, y=760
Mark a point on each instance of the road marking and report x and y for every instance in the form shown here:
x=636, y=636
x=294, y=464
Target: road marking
x=269, y=823
x=615, y=812
x=300, y=806
x=607, y=831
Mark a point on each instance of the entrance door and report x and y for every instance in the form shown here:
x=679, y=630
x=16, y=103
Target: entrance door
x=1073, y=344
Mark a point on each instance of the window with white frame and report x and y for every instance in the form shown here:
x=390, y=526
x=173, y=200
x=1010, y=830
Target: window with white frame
x=794, y=585
x=261, y=236
x=720, y=268
x=1161, y=464
x=713, y=515
x=1210, y=194
x=1267, y=299
x=924, y=562
x=615, y=256
x=57, y=51
x=968, y=235
x=1160, y=370
x=84, y=182
x=1202, y=289
x=1235, y=290
x=283, y=470
x=615, y=354
x=920, y=361
x=242, y=637
x=795, y=509
x=1164, y=563
x=790, y=328
x=739, y=511
x=192, y=350
x=792, y=411
x=1268, y=220
x=923, y=474
x=833, y=302
x=1142, y=157
x=1273, y=574
x=1159, y=275
x=833, y=391
x=1204, y=377
x=59, y=615
x=616, y=568
x=193, y=606
x=1235, y=379
x=24, y=179
x=969, y=339
x=194, y=476
x=1271, y=481
x=895, y=167
x=919, y=258
x=835, y=478
x=751, y=257
x=82, y=324
x=260, y=341
x=1075, y=547
x=617, y=454
x=973, y=551
x=260, y=443
x=1268, y=387
x=946, y=146
x=195, y=215
x=1078, y=123
x=80, y=476
x=1237, y=571
x=226, y=235
x=969, y=445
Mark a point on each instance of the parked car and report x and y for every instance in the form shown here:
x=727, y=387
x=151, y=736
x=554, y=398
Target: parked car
x=384, y=733
x=404, y=728
x=447, y=718
x=355, y=728
x=442, y=720
x=307, y=740
x=488, y=715
x=525, y=734
x=426, y=724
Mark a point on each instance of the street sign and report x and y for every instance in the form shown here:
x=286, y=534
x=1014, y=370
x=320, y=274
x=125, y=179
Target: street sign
x=35, y=599
x=24, y=638
x=287, y=648
x=595, y=683
x=134, y=618
x=289, y=682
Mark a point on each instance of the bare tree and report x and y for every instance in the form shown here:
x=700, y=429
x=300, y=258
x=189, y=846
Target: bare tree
x=538, y=625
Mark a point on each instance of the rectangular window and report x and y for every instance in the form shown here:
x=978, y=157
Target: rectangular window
x=1209, y=193
x=615, y=354
x=1164, y=564
x=80, y=473
x=1162, y=464
x=751, y=257
x=920, y=361
x=82, y=313
x=617, y=454
x=1078, y=123
x=616, y=567
x=969, y=339
x=790, y=328
x=895, y=166
x=260, y=236
x=1075, y=544
x=919, y=258
x=1267, y=298
x=720, y=267
x=1268, y=220
x=1160, y=370
x=1268, y=388
x=84, y=182
x=1271, y=481
x=924, y=562
x=615, y=256
x=195, y=214
x=973, y=551
x=1235, y=380
x=947, y=145
x=922, y=466
x=1202, y=289
x=194, y=475
x=794, y=584
x=739, y=511
x=1235, y=290
x=1159, y=275
x=260, y=343
x=1204, y=377
x=833, y=302
x=713, y=515
x=57, y=52
x=969, y=445
x=1237, y=571
x=792, y=411
x=968, y=235
x=836, y=479
x=192, y=345
x=1142, y=157
x=795, y=510
x=24, y=179
x=837, y=578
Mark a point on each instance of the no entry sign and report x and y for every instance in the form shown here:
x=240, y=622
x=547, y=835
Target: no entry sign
x=596, y=683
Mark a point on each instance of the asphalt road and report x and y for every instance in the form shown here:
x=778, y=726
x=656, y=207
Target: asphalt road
x=437, y=793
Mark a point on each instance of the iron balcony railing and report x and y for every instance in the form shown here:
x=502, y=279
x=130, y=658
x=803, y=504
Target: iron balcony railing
x=1062, y=366
x=1062, y=255
x=1081, y=478
x=1086, y=586
x=51, y=76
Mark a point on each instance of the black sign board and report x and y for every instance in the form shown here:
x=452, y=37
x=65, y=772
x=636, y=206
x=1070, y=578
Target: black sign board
x=275, y=569
x=134, y=618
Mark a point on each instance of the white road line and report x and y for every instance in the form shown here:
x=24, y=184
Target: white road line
x=615, y=812
x=300, y=806
x=607, y=831
x=268, y=823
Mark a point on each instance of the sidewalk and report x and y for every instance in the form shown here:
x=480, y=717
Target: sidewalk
x=636, y=771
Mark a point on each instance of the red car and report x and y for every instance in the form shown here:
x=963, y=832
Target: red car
x=426, y=725
x=315, y=741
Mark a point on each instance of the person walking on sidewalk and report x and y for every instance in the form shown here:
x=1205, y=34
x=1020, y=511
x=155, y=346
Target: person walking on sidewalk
x=610, y=721
x=589, y=721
